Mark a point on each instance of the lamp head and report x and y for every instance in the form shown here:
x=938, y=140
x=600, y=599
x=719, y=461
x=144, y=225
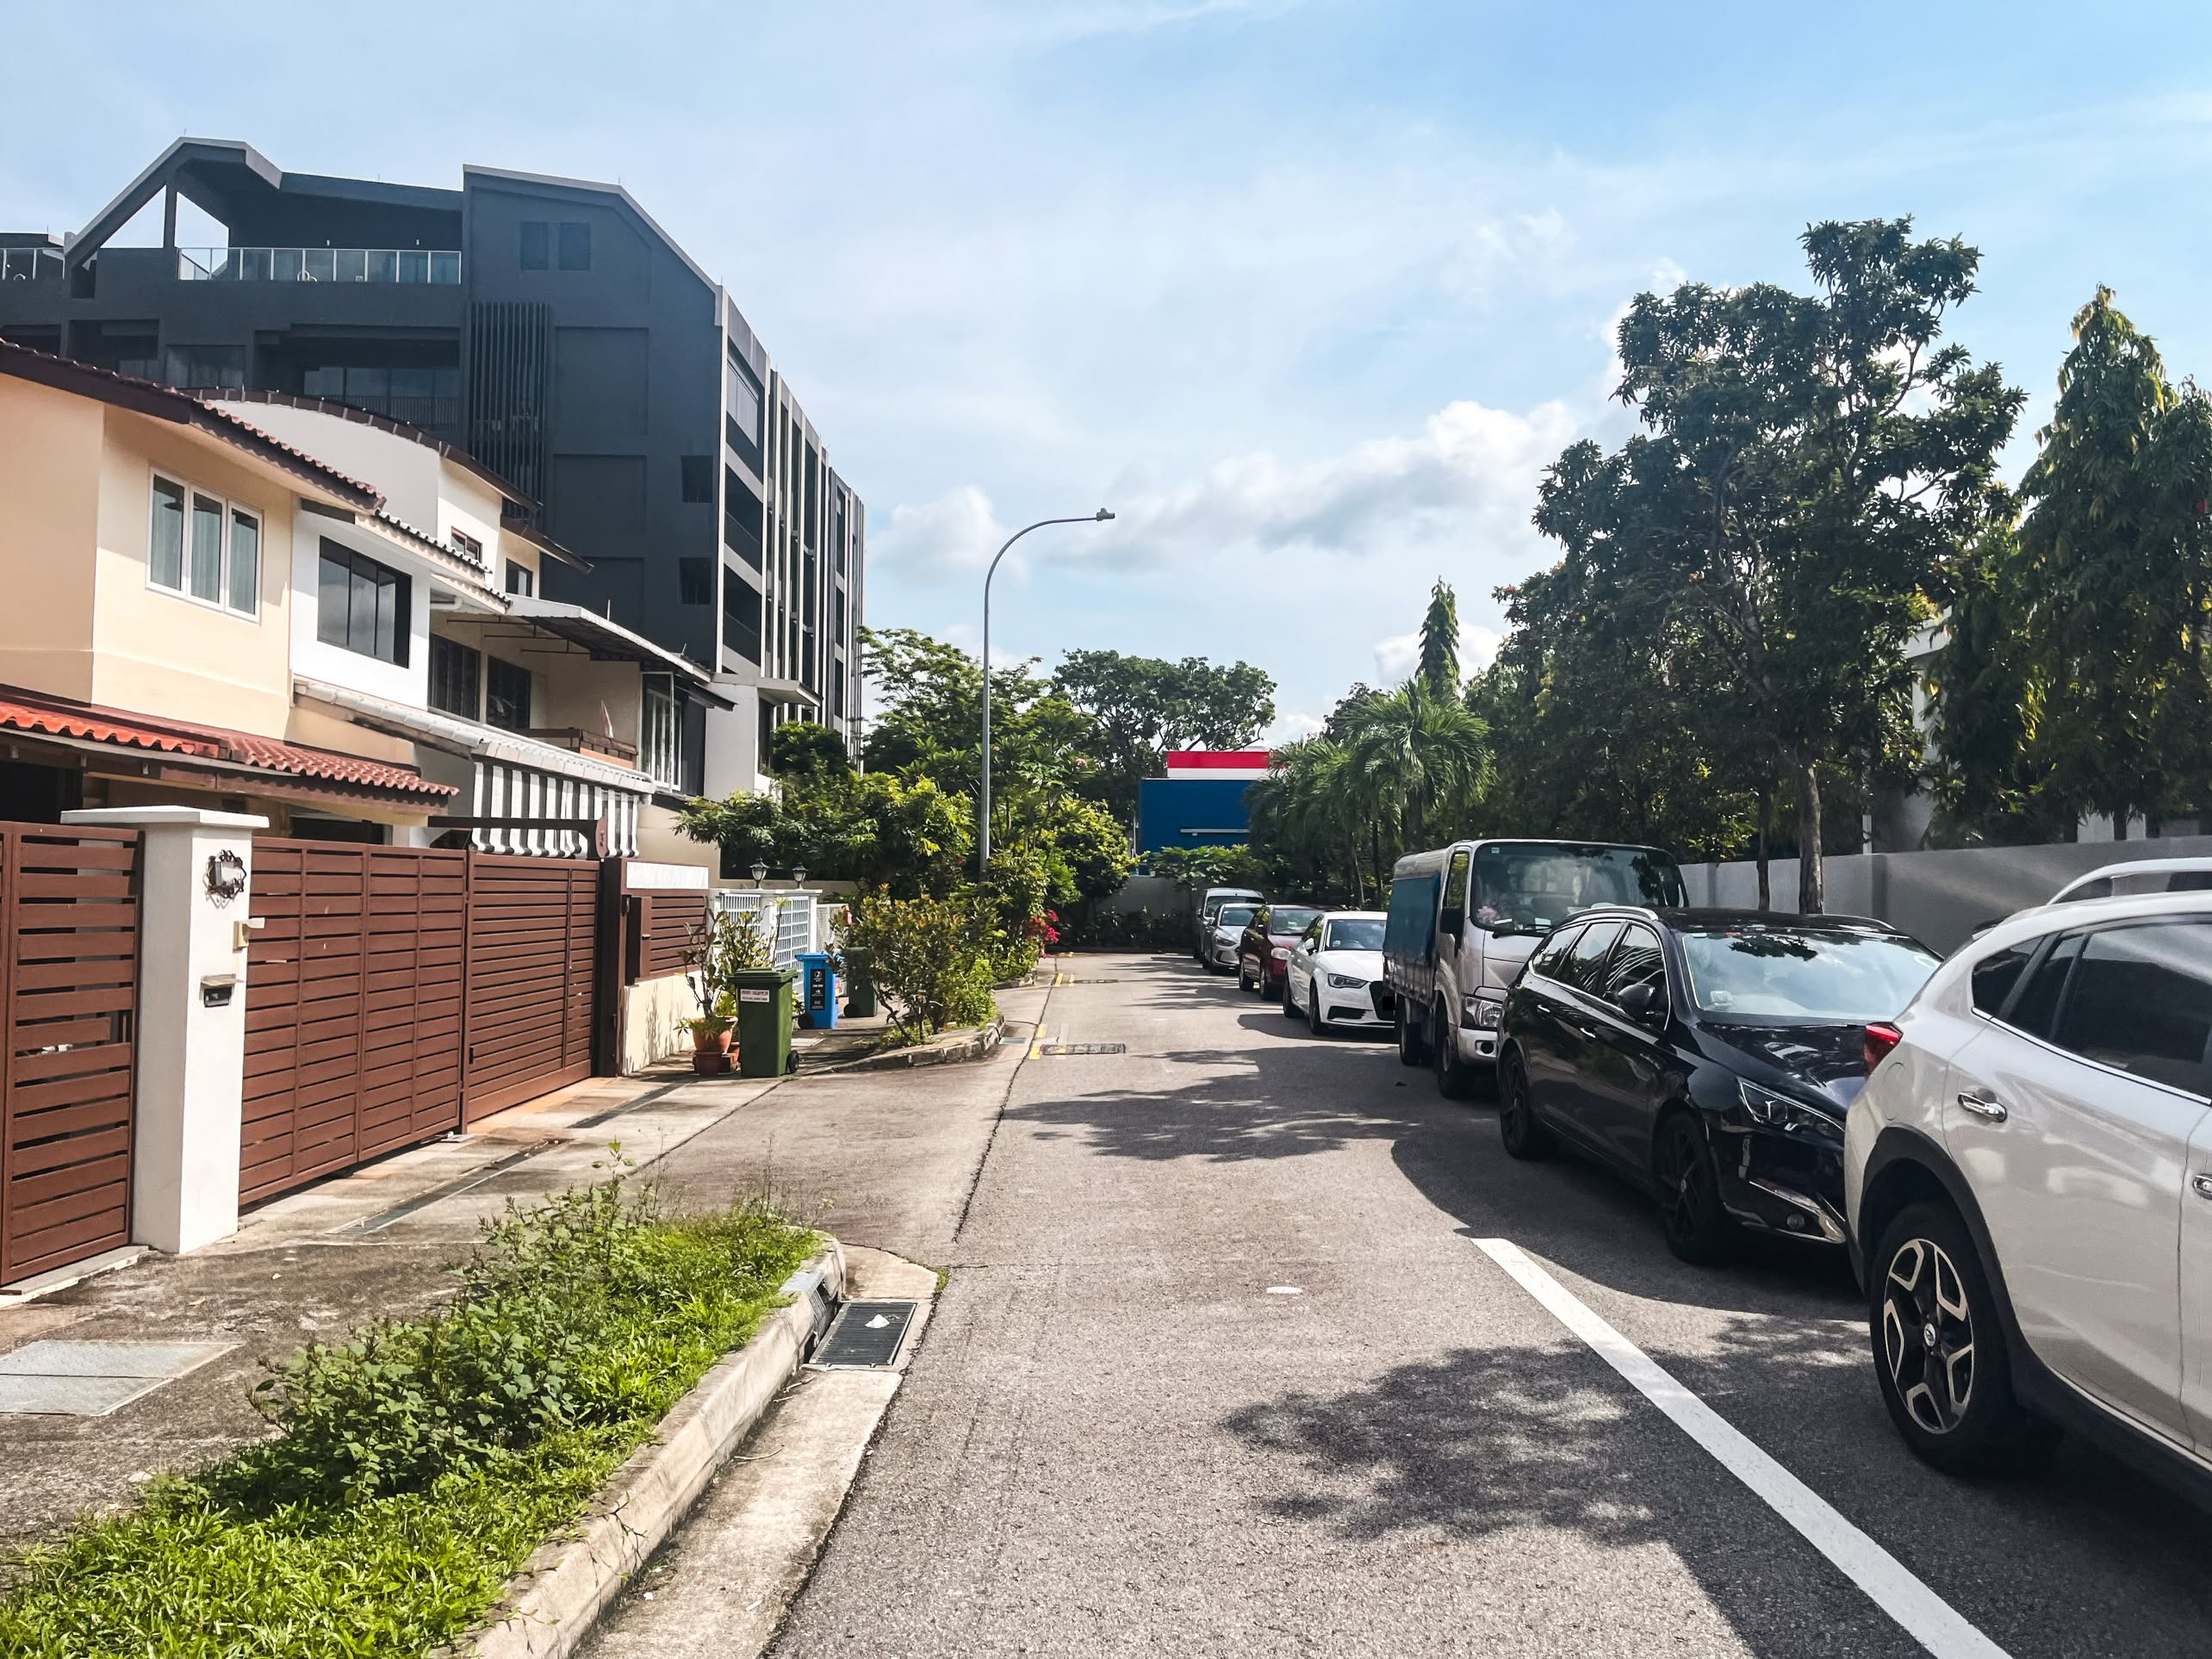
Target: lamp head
x=760, y=873
x=1103, y=515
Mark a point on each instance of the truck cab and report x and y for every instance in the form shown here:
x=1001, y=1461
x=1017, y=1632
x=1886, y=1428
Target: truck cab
x=1464, y=919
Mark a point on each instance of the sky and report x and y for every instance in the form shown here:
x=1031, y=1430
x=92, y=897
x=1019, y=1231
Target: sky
x=1308, y=292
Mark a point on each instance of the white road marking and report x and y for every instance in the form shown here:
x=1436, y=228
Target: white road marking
x=1926, y=1617
x=1284, y=1291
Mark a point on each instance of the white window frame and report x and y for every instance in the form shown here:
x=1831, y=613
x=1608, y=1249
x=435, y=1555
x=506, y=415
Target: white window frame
x=231, y=510
x=660, y=759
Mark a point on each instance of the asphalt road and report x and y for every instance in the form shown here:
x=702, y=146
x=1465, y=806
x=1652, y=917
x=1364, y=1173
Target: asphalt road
x=1123, y=1436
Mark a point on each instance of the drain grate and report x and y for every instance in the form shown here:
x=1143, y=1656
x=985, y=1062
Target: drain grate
x=868, y=1335
x=1083, y=1048
x=90, y=1379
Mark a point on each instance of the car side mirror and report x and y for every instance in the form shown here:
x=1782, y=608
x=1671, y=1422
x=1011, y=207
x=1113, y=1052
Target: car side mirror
x=1641, y=1002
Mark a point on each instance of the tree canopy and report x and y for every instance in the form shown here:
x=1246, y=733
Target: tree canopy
x=1144, y=706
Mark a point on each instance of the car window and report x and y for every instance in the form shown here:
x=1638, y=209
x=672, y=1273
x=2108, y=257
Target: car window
x=1235, y=915
x=1839, y=973
x=1355, y=933
x=1635, y=962
x=1995, y=976
x=2142, y=1000
x=2037, y=1005
x=1585, y=964
x=1548, y=959
x=1291, y=918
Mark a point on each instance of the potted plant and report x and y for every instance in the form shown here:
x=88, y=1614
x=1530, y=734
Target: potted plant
x=722, y=944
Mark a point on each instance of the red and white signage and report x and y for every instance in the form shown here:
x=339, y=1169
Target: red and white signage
x=1228, y=765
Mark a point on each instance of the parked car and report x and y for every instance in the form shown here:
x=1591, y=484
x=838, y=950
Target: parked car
x=1209, y=911
x=1464, y=917
x=1706, y=1056
x=2130, y=878
x=1331, y=976
x=2028, y=1178
x=1268, y=941
x=1226, y=935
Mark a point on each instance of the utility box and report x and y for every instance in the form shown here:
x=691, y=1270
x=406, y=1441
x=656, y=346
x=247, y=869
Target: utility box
x=817, y=991
x=860, y=987
x=764, y=1014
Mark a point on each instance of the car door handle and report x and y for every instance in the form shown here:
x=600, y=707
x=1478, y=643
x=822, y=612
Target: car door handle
x=2203, y=1184
x=1983, y=1106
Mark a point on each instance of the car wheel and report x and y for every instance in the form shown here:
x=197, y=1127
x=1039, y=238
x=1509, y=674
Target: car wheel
x=1289, y=1002
x=1412, y=1049
x=1698, y=1228
x=1939, y=1349
x=1523, y=1136
x=1314, y=1021
x=1451, y=1079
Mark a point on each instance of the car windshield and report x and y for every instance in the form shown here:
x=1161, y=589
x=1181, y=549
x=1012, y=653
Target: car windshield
x=1532, y=886
x=1286, y=918
x=1354, y=932
x=1236, y=916
x=1804, y=974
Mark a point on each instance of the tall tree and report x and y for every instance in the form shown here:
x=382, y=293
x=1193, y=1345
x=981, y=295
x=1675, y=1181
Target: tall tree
x=1439, y=669
x=1146, y=705
x=1807, y=462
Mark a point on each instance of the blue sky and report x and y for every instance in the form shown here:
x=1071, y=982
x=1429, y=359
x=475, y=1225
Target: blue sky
x=1309, y=291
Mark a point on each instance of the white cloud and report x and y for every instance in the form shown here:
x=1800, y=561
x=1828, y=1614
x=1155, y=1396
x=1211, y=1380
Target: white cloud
x=1288, y=728
x=1396, y=657
x=1478, y=647
x=953, y=535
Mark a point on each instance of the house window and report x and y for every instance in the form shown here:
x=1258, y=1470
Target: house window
x=506, y=695
x=658, y=749
x=536, y=245
x=455, y=672
x=362, y=605
x=521, y=579
x=468, y=547
x=698, y=478
x=695, y=581
x=206, y=367
x=204, y=547
x=575, y=247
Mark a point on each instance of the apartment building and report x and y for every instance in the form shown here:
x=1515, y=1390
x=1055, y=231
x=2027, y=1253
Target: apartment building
x=547, y=328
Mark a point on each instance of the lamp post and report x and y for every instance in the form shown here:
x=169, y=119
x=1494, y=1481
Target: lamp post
x=982, y=836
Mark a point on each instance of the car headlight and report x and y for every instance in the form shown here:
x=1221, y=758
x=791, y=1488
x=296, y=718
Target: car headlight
x=1486, y=1012
x=1773, y=1111
x=1280, y=954
x=1346, y=982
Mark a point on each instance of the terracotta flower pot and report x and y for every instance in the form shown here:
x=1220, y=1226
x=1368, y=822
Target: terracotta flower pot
x=711, y=1046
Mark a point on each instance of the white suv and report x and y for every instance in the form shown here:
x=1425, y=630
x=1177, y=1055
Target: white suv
x=2027, y=1175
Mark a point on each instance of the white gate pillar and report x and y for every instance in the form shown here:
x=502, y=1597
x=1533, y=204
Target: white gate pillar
x=187, y=1123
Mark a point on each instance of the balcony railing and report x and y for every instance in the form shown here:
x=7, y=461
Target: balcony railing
x=438, y=267
x=28, y=265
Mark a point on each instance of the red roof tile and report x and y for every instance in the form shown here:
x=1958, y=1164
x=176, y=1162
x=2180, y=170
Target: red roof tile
x=25, y=710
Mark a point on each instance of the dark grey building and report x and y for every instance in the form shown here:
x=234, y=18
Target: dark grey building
x=548, y=326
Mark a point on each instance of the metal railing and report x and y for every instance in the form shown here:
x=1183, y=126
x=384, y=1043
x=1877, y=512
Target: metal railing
x=436, y=267
x=29, y=264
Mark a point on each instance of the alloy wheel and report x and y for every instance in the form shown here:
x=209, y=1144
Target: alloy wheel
x=1689, y=1197
x=1927, y=1335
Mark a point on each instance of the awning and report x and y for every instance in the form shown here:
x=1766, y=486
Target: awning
x=787, y=691
x=469, y=738
x=607, y=640
x=234, y=754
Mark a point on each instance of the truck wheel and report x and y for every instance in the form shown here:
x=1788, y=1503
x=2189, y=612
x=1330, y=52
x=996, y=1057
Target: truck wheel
x=1412, y=1045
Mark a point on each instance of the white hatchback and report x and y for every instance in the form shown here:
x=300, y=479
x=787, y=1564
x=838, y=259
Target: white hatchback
x=1330, y=977
x=2027, y=1175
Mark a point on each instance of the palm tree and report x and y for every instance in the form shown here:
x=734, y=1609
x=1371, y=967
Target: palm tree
x=1422, y=758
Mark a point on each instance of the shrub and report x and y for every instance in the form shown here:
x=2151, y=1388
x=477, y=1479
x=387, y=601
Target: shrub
x=925, y=958
x=1130, y=929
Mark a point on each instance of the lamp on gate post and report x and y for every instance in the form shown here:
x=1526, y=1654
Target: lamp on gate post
x=983, y=831
x=759, y=874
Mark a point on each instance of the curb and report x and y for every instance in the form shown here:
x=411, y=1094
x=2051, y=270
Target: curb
x=979, y=1043
x=552, y=1606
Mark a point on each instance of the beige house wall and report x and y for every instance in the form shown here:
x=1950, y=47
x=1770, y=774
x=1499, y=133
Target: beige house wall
x=50, y=446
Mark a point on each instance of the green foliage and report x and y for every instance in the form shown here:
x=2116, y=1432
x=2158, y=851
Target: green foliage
x=722, y=944
x=1143, y=706
x=418, y=1465
x=1129, y=930
x=1005, y=905
x=800, y=749
x=1194, y=869
x=928, y=958
x=1440, y=664
x=931, y=723
x=909, y=837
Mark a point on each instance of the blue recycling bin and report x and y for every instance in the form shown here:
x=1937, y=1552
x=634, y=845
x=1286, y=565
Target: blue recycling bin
x=818, y=990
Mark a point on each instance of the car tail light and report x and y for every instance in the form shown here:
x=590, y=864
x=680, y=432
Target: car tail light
x=1881, y=1038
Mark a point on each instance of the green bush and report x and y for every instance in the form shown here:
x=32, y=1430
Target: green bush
x=421, y=1464
x=1130, y=929
x=927, y=957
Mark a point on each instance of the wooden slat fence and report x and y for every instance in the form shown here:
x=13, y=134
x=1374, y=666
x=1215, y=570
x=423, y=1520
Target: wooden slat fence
x=665, y=921
x=69, y=957
x=532, y=943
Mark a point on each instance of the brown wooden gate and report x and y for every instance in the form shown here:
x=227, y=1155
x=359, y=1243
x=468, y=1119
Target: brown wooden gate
x=69, y=957
x=533, y=942
x=355, y=986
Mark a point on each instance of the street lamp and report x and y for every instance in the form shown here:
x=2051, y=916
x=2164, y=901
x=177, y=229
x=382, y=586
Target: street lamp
x=759, y=874
x=983, y=840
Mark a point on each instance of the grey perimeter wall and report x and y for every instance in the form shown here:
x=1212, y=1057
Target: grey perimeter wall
x=1938, y=897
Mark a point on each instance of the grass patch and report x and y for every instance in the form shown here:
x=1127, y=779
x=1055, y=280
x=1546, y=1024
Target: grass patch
x=418, y=1465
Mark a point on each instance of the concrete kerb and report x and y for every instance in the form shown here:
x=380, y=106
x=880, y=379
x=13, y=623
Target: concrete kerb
x=948, y=1049
x=552, y=1606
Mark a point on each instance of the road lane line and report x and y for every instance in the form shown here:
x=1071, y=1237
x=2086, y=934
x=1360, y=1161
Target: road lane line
x=1036, y=1041
x=1926, y=1617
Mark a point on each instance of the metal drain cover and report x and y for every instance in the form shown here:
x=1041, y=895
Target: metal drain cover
x=867, y=1334
x=90, y=1379
x=1083, y=1048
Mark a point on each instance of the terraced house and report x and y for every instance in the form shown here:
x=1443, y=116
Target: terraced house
x=549, y=329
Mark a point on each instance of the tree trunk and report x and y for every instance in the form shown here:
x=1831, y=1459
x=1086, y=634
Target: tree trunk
x=1765, y=853
x=1811, y=873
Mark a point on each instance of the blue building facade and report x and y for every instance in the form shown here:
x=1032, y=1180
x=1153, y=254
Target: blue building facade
x=1192, y=812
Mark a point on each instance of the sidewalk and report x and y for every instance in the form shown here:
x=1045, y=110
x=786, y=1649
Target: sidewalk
x=883, y=1160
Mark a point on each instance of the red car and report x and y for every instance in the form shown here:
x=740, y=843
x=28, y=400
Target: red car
x=1269, y=939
